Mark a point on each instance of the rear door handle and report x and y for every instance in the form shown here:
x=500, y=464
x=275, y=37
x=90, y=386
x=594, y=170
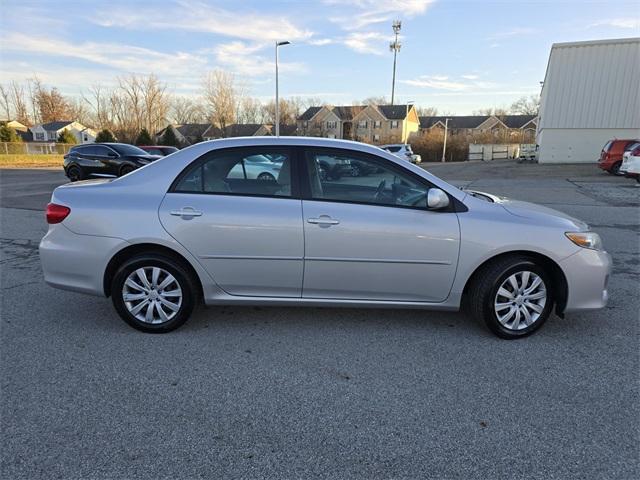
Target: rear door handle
x=186, y=212
x=323, y=220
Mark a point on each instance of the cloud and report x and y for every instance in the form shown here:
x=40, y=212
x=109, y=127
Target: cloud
x=115, y=55
x=514, y=32
x=366, y=42
x=469, y=77
x=369, y=12
x=440, y=82
x=244, y=58
x=194, y=15
x=321, y=41
x=633, y=23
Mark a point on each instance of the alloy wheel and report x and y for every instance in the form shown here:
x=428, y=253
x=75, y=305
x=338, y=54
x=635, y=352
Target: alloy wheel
x=520, y=300
x=152, y=295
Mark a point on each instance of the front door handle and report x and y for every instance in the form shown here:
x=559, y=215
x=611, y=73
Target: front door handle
x=186, y=212
x=323, y=220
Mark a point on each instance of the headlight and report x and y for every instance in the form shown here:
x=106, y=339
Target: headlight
x=585, y=239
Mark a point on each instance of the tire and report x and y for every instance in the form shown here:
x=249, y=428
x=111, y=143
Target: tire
x=126, y=169
x=75, y=173
x=180, y=293
x=484, y=295
x=266, y=177
x=615, y=169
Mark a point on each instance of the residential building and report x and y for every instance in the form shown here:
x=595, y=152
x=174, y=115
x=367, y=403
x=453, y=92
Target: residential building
x=591, y=94
x=16, y=125
x=49, y=132
x=371, y=123
x=521, y=128
x=186, y=134
x=190, y=133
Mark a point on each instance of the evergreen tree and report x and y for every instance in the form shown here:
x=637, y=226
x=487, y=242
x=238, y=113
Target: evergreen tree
x=66, y=137
x=8, y=134
x=105, y=136
x=169, y=138
x=144, y=138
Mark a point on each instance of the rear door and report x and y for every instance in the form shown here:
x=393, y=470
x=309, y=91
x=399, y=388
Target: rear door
x=246, y=232
x=372, y=237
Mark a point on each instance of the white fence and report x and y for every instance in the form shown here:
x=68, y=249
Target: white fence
x=34, y=148
x=492, y=151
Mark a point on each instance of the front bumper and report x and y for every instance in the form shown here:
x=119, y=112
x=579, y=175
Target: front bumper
x=76, y=262
x=587, y=273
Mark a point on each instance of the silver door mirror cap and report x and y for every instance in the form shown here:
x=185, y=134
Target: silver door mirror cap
x=437, y=199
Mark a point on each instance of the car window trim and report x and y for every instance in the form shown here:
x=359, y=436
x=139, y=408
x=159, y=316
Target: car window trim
x=294, y=161
x=454, y=204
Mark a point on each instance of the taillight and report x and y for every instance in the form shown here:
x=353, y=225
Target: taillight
x=56, y=213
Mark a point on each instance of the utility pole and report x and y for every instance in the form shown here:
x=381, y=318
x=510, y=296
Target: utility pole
x=278, y=44
x=395, y=48
x=444, y=147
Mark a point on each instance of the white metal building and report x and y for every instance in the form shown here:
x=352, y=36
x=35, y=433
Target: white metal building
x=591, y=94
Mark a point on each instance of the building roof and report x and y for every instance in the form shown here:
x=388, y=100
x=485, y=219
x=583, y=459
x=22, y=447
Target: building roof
x=394, y=112
x=516, y=121
x=347, y=112
x=463, y=121
x=57, y=125
x=25, y=136
x=242, y=129
x=309, y=113
x=192, y=130
x=592, y=85
x=286, y=130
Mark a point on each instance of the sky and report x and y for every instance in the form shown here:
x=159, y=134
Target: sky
x=457, y=56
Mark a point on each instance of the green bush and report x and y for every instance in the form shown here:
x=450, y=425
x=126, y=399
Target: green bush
x=144, y=138
x=66, y=137
x=105, y=136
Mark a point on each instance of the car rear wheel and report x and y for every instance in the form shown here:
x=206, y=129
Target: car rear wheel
x=615, y=169
x=126, y=169
x=266, y=177
x=154, y=294
x=512, y=296
x=75, y=173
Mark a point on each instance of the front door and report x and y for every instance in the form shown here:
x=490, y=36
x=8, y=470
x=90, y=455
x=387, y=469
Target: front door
x=373, y=238
x=246, y=231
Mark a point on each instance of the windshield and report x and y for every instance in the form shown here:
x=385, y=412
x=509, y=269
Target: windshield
x=124, y=149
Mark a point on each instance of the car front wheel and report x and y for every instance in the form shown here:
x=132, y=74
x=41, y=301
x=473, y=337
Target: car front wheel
x=153, y=293
x=513, y=297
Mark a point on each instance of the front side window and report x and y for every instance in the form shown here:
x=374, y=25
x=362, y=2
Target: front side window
x=331, y=177
x=239, y=172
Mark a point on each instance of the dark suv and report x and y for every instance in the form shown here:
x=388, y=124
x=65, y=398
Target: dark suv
x=112, y=159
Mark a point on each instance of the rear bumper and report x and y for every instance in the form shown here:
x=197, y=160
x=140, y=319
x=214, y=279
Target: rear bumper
x=587, y=273
x=76, y=262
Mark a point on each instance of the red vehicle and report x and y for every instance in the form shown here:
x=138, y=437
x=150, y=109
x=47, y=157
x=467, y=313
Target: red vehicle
x=611, y=155
x=158, y=149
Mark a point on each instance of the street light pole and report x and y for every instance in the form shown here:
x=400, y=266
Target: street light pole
x=395, y=48
x=444, y=147
x=278, y=44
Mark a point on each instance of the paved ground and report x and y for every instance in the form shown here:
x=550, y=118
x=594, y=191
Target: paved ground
x=322, y=393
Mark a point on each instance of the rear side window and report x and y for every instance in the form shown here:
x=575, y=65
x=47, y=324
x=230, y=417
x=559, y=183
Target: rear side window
x=392, y=149
x=631, y=146
x=239, y=172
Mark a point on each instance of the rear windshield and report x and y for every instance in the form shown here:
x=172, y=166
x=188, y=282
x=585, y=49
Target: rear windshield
x=392, y=149
x=607, y=146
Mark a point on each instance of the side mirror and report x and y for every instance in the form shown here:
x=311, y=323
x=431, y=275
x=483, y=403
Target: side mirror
x=437, y=199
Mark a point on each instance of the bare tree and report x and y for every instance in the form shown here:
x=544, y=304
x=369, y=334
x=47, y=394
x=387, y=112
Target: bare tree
x=427, y=111
x=250, y=111
x=4, y=97
x=221, y=97
x=288, y=112
x=19, y=103
x=50, y=103
x=186, y=110
x=526, y=105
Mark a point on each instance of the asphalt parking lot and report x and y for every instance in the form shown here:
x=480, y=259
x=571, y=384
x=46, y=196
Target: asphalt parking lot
x=248, y=392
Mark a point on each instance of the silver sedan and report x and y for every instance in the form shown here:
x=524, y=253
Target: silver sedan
x=191, y=229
